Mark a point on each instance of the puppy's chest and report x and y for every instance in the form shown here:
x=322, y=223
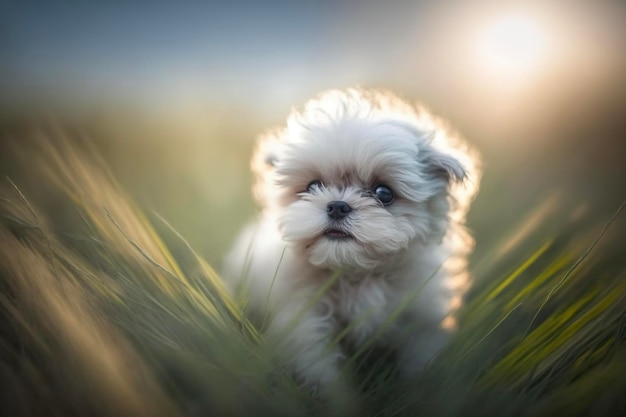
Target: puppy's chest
x=364, y=304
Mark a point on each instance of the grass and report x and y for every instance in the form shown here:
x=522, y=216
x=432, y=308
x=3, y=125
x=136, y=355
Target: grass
x=105, y=319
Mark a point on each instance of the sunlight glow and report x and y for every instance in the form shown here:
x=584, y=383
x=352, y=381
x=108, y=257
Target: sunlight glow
x=511, y=47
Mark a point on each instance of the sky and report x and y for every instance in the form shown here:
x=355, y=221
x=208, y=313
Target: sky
x=163, y=52
x=159, y=49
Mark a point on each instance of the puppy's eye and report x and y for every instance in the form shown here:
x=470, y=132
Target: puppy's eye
x=384, y=194
x=314, y=186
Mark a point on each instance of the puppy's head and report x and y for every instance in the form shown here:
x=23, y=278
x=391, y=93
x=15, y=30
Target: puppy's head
x=358, y=177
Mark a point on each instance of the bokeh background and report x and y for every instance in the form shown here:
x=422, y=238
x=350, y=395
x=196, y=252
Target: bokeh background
x=174, y=93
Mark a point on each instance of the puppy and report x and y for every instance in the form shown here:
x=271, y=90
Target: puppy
x=361, y=239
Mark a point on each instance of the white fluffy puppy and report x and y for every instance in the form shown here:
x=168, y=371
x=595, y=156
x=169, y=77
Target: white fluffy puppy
x=361, y=239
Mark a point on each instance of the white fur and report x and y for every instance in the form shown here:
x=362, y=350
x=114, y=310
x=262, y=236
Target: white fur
x=411, y=252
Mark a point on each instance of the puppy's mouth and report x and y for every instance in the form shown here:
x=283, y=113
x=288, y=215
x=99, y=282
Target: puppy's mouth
x=337, y=234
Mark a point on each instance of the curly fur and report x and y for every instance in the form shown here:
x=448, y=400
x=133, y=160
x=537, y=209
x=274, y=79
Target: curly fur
x=413, y=249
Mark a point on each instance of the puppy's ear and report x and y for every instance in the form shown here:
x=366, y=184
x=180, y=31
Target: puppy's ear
x=270, y=159
x=439, y=164
x=263, y=163
x=266, y=152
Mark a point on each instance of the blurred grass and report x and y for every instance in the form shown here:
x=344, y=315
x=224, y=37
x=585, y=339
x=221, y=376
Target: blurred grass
x=108, y=310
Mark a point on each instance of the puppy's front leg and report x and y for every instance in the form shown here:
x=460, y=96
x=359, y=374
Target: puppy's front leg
x=303, y=338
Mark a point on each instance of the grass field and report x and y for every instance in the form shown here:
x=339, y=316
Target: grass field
x=106, y=309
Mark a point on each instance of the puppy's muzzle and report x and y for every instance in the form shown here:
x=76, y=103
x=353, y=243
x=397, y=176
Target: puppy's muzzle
x=338, y=209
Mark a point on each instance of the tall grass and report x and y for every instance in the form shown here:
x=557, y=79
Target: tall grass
x=105, y=320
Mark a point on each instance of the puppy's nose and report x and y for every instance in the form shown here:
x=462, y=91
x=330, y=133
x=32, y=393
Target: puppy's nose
x=338, y=209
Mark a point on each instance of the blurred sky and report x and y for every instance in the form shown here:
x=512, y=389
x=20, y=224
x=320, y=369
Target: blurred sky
x=276, y=52
x=543, y=103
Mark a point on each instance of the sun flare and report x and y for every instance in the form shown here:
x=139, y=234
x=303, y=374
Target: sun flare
x=511, y=47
